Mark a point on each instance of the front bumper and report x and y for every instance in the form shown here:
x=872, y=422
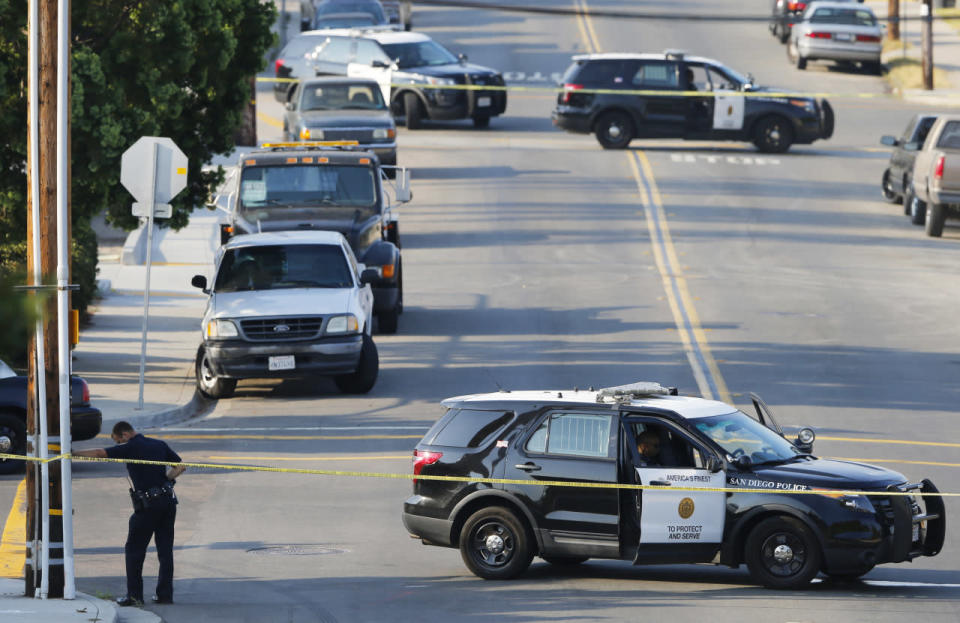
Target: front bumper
x=85, y=423
x=448, y=104
x=250, y=360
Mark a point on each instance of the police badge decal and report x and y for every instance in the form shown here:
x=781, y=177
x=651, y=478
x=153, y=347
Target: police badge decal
x=685, y=510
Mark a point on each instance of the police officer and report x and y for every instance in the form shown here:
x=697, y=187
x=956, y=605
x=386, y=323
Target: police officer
x=155, y=508
x=648, y=445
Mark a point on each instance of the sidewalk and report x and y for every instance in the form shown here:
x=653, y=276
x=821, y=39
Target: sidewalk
x=15, y=607
x=946, y=53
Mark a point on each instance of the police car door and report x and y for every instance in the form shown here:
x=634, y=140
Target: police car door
x=371, y=62
x=678, y=523
x=728, y=104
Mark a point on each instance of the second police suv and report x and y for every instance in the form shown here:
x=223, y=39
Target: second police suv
x=620, y=97
x=783, y=527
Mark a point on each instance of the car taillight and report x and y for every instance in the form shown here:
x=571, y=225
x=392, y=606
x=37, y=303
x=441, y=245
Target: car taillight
x=568, y=89
x=84, y=392
x=277, y=66
x=938, y=171
x=819, y=35
x=796, y=6
x=422, y=458
x=868, y=38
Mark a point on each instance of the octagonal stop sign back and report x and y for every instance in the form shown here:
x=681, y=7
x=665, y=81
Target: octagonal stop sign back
x=159, y=154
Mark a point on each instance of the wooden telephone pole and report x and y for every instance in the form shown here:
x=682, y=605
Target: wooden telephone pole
x=926, y=44
x=893, y=19
x=46, y=171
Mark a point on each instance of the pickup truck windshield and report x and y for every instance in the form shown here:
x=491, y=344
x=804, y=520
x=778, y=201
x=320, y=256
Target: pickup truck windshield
x=277, y=267
x=285, y=185
x=739, y=434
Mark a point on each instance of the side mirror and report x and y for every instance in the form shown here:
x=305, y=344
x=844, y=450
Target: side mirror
x=714, y=464
x=199, y=281
x=291, y=106
x=403, y=192
x=805, y=439
x=379, y=64
x=369, y=275
x=912, y=146
x=744, y=461
x=889, y=141
x=462, y=58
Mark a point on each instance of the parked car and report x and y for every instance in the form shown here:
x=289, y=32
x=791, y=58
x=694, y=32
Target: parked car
x=418, y=65
x=344, y=20
x=287, y=304
x=936, y=173
x=785, y=14
x=837, y=31
x=598, y=97
x=540, y=442
x=313, y=10
x=897, y=177
x=342, y=109
x=399, y=12
x=85, y=420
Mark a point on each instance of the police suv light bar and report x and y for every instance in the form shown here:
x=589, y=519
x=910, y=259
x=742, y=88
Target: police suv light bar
x=309, y=144
x=635, y=390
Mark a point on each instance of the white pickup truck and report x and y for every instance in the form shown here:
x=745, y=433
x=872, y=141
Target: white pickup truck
x=936, y=173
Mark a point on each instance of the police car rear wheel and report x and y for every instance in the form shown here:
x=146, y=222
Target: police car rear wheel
x=494, y=544
x=13, y=440
x=209, y=384
x=614, y=130
x=773, y=135
x=781, y=552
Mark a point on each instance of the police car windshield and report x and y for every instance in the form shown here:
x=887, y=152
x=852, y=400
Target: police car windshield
x=739, y=434
x=278, y=267
x=284, y=185
x=419, y=54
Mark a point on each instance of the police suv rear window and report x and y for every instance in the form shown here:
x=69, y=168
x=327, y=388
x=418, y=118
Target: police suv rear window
x=468, y=428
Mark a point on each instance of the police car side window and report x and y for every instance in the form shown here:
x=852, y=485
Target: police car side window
x=574, y=434
x=657, y=75
x=721, y=82
x=368, y=51
x=469, y=428
x=606, y=74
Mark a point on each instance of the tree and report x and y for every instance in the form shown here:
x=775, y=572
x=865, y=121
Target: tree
x=177, y=68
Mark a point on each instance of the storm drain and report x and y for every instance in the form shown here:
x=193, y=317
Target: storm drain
x=296, y=550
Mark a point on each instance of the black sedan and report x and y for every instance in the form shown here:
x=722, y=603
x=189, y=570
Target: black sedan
x=85, y=420
x=342, y=109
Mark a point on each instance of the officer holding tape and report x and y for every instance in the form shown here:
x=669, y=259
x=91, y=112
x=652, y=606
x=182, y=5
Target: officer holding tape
x=154, y=508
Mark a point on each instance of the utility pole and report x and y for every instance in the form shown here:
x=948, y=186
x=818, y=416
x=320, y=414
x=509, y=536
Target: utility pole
x=926, y=44
x=893, y=19
x=44, y=520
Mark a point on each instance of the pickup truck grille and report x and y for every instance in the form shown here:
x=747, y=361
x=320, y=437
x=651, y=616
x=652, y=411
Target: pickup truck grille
x=274, y=329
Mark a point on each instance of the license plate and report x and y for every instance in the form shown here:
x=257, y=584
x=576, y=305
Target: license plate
x=916, y=533
x=483, y=102
x=843, y=36
x=286, y=362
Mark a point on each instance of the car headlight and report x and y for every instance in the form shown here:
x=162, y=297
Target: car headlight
x=347, y=323
x=307, y=134
x=860, y=503
x=221, y=328
x=807, y=105
x=438, y=81
x=382, y=133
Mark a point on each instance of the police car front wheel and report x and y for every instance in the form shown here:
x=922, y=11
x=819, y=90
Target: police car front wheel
x=495, y=544
x=781, y=552
x=773, y=135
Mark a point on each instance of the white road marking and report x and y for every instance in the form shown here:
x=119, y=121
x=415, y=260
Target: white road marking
x=710, y=159
x=236, y=429
x=522, y=76
x=889, y=584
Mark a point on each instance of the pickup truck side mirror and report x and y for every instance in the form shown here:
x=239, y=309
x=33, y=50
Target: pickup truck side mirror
x=199, y=281
x=402, y=181
x=291, y=106
x=911, y=146
x=889, y=141
x=369, y=275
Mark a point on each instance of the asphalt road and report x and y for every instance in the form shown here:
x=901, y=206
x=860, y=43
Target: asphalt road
x=529, y=263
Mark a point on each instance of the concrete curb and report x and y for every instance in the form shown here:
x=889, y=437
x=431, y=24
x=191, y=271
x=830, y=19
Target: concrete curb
x=29, y=610
x=198, y=406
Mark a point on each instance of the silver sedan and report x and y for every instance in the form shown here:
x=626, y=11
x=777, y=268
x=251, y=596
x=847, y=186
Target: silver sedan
x=837, y=31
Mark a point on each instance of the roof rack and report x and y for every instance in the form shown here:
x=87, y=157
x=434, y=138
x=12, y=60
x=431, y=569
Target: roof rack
x=311, y=145
x=640, y=389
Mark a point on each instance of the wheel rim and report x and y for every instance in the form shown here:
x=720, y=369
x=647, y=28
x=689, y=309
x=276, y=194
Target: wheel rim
x=772, y=135
x=208, y=377
x=887, y=189
x=493, y=544
x=8, y=441
x=783, y=554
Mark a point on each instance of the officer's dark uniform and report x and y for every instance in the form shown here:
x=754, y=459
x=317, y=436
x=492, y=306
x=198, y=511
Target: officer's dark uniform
x=156, y=520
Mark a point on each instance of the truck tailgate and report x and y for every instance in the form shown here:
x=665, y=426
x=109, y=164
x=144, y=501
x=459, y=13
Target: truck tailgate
x=950, y=182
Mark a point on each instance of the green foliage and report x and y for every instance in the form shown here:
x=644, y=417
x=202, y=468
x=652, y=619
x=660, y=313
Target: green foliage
x=176, y=68
x=17, y=314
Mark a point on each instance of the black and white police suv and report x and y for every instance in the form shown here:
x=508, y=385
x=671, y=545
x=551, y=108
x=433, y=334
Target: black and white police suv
x=599, y=97
x=546, y=437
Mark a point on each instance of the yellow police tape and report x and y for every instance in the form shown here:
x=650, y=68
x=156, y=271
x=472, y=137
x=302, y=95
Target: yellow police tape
x=663, y=93
x=501, y=481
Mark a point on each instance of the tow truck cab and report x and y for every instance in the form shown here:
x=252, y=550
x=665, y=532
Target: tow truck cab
x=331, y=186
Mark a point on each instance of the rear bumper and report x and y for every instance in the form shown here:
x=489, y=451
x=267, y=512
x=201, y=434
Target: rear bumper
x=430, y=530
x=85, y=423
x=245, y=360
x=834, y=52
x=571, y=121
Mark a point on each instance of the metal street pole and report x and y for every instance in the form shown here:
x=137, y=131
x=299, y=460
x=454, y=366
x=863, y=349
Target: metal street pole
x=927, y=44
x=151, y=207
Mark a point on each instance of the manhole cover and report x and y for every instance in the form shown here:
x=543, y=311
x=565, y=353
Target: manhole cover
x=296, y=550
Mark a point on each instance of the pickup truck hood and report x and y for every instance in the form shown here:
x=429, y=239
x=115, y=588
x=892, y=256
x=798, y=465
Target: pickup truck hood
x=829, y=473
x=282, y=302
x=347, y=118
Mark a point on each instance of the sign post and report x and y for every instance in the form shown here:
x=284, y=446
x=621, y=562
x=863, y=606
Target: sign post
x=167, y=176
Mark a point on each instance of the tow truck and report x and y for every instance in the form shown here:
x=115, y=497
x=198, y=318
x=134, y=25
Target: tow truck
x=324, y=185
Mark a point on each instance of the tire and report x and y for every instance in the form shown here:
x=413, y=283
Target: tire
x=936, y=217
x=495, y=544
x=614, y=130
x=413, y=109
x=801, y=62
x=773, y=135
x=208, y=383
x=365, y=377
x=887, y=190
x=781, y=552
x=481, y=121
x=13, y=440
x=783, y=34
x=875, y=68
x=916, y=209
x=565, y=561
x=387, y=321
